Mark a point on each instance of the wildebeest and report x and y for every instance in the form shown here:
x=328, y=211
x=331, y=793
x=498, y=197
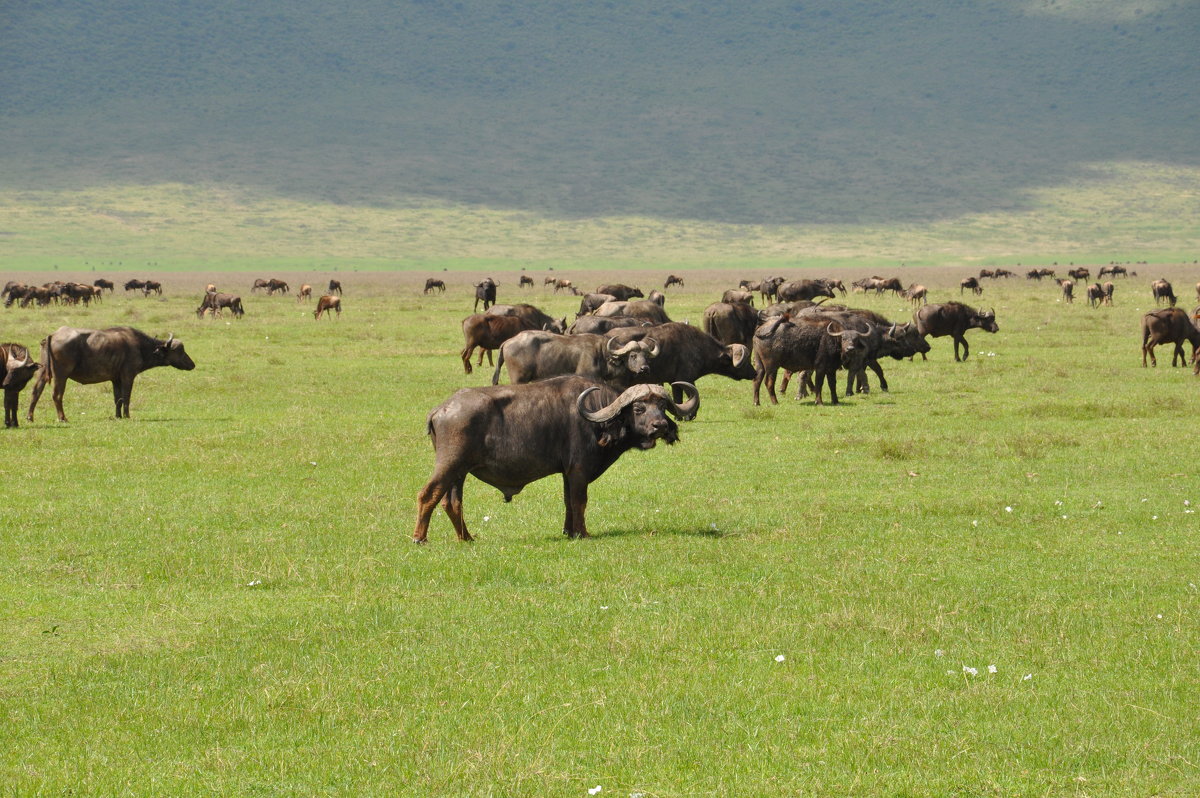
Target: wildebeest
x=672, y=280
x=304, y=293
x=622, y=292
x=216, y=301
x=104, y=284
x=485, y=292
x=115, y=354
x=985, y=274
x=1081, y=273
x=16, y=370
x=274, y=285
x=432, y=284
x=972, y=283
x=152, y=287
x=1169, y=326
x=1095, y=295
x=731, y=322
x=635, y=308
x=258, y=283
x=536, y=355
x=1068, y=290
x=1108, y=292
x=328, y=303
x=135, y=285
x=1161, y=290
x=1114, y=270
x=508, y=436
x=998, y=273
x=916, y=293
x=954, y=319
x=335, y=287
x=563, y=284
x=525, y=281
x=804, y=289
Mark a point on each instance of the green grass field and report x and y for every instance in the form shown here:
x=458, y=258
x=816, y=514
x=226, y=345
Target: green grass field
x=981, y=583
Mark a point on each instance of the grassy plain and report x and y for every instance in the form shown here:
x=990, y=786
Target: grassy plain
x=218, y=596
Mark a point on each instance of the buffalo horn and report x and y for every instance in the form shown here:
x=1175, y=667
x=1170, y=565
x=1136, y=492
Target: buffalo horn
x=627, y=397
x=620, y=350
x=654, y=349
x=829, y=329
x=738, y=353
x=687, y=410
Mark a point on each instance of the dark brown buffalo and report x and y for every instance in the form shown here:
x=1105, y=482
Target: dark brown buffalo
x=510, y=435
x=487, y=332
x=686, y=354
x=954, y=319
x=335, y=287
x=116, y=355
x=738, y=295
x=598, y=325
x=536, y=354
x=535, y=318
x=804, y=289
x=328, y=303
x=590, y=302
x=731, y=322
x=796, y=345
x=16, y=370
x=636, y=308
x=485, y=292
x=1169, y=326
x=622, y=292
x=432, y=284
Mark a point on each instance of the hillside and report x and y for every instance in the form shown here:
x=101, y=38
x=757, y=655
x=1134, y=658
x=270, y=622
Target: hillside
x=780, y=113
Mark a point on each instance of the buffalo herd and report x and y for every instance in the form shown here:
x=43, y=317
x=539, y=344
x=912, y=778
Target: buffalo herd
x=580, y=393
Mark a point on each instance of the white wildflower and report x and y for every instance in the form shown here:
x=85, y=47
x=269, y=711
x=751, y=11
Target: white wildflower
x=594, y=790
x=780, y=658
x=969, y=670
x=1008, y=509
x=1027, y=677
x=938, y=653
x=991, y=668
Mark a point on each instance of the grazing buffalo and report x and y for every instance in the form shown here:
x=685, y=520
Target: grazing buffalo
x=622, y=292
x=731, y=322
x=1169, y=326
x=16, y=370
x=954, y=319
x=511, y=435
x=485, y=292
x=796, y=345
x=534, y=318
x=1162, y=291
x=216, y=301
x=637, y=308
x=804, y=289
x=737, y=295
x=327, y=303
x=432, y=284
x=115, y=354
x=535, y=355
x=971, y=283
x=335, y=287
x=304, y=293
x=590, y=302
x=672, y=280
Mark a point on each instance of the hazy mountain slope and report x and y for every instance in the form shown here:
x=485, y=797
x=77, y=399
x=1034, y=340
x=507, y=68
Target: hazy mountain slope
x=842, y=111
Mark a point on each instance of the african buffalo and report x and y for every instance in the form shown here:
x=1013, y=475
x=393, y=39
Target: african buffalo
x=731, y=322
x=535, y=355
x=115, y=354
x=687, y=354
x=485, y=292
x=511, y=435
x=16, y=370
x=1169, y=326
x=535, y=318
x=637, y=308
x=804, y=289
x=953, y=319
x=590, y=302
x=602, y=324
x=622, y=292
x=737, y=295
x=796, y=345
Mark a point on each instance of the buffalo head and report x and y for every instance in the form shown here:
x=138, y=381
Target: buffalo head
x=648, y=405
x=173, y=354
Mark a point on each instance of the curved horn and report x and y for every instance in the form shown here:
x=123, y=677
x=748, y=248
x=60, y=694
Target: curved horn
x=870, y=327
x=738, y=354
x=654, y=347
x=829, y=329
x=687, y=410
x=614, y=408
x=170, y=338
x=620, y=350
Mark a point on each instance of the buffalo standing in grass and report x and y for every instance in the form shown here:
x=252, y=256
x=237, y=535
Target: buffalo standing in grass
x=731, y=322
x=1169, y=326
x=485, y=292
x=622, y=292
x=954, y=319
x=511, y=435
x=16, y=370
x=687, y=354
x=116, y=355
x=536, y=355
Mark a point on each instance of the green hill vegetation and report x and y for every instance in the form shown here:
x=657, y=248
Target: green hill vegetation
x=603, y=132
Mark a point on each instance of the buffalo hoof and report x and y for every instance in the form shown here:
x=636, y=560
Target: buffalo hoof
x=419, y=541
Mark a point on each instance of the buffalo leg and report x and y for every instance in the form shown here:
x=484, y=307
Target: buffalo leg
x=118, y=395
x=38, y=386
x=428, y=499
x=575, y=490
x=466, y=358
x=60, y=387
x=452, y=504
x=787, y=377
x=10, y=408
